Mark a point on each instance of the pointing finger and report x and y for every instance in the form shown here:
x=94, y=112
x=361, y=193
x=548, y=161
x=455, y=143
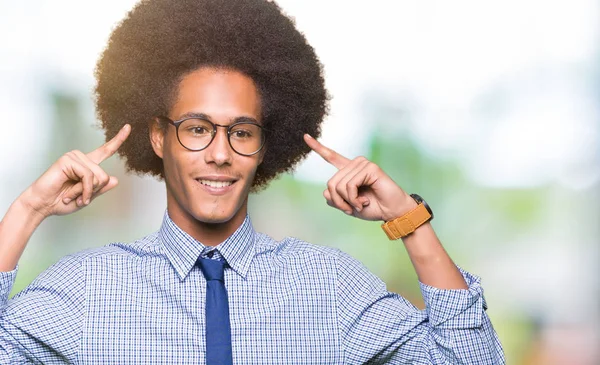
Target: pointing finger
x=109, y=148
x=328, y=154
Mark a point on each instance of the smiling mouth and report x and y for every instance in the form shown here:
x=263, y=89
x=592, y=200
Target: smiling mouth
x=216, y=184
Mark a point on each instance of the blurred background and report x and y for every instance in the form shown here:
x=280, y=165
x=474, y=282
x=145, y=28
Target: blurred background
x=488, y=109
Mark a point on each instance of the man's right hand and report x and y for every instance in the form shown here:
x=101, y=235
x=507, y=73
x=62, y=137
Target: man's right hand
x=73, y=181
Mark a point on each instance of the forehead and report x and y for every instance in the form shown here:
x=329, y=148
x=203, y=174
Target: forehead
x=221, y=94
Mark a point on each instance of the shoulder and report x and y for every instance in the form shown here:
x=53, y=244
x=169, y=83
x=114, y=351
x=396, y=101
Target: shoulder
x=148, y=245
x=291, y=247
x=71, y=268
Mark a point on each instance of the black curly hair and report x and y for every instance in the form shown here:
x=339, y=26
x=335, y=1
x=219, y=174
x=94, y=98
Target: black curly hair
x=160, y=41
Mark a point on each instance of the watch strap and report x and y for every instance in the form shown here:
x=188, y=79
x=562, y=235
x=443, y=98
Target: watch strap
x=407, y=224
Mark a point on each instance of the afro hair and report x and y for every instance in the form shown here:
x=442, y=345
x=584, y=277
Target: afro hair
x=160, y=41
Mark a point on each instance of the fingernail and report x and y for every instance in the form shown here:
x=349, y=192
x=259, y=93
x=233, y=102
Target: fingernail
x=79, y=202
x=67, y=200
x=87, y=202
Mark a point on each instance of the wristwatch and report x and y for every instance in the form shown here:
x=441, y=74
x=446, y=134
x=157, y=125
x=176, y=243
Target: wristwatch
x=409, y=222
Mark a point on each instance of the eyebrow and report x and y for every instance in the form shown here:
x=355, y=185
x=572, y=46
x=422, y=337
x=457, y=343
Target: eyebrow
x=207, y=117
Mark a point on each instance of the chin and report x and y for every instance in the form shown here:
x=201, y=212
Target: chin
x=213, y=218
x=216, y=215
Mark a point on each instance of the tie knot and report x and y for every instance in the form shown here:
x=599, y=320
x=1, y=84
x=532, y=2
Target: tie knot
x=212, y=269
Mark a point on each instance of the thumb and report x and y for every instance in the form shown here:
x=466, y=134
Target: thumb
x=76, y=190
x=112, y=183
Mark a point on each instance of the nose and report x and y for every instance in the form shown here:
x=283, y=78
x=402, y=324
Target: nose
x=219, y=151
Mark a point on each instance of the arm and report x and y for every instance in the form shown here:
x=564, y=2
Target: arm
x=454, y=327
x=361, y=189
x=382, y=327
x=433, y=265
x=42, y=322
x=16, y=228
x=67, y=186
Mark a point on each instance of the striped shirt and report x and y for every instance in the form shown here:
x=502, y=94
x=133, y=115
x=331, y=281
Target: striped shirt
x=291, y=302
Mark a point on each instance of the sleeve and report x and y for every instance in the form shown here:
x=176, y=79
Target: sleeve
x=43, y=323
x=384, y=328
x=7, y=279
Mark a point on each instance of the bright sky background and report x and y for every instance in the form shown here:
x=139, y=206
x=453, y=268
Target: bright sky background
x=533, y=60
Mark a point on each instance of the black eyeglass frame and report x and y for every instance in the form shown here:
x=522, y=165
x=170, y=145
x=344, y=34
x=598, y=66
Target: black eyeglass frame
x=177, y=123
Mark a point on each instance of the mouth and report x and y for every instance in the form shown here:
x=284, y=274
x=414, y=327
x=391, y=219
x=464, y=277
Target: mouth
x=217, y=185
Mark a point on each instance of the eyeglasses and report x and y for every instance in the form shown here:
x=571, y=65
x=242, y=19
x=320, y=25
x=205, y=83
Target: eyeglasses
x=196, y=134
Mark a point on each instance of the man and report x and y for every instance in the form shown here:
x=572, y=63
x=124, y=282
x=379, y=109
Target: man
x=220, y=98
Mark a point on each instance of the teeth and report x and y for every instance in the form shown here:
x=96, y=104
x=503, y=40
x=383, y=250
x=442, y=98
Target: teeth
x=215, y=184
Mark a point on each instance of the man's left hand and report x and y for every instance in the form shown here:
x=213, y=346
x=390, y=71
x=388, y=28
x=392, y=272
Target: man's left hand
x=360, y=188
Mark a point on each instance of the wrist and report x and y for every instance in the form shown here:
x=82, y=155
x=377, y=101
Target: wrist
x=418, y=214
x=27, y=205
x=406, y=204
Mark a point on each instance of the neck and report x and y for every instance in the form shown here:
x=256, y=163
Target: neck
x=209, y=233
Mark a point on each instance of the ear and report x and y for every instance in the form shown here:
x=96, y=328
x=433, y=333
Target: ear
x=157, y=136
x=261, y=154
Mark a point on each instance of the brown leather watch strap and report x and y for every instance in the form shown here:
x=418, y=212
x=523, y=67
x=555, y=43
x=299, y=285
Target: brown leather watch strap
x=407, y=224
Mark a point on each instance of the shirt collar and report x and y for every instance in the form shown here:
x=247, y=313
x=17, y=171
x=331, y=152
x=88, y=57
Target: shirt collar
x=183, y=250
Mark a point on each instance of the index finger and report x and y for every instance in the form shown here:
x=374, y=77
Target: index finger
x=328, y=154
x=109, y=148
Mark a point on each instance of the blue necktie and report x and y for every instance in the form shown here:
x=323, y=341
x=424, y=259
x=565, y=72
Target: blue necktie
x=218, y=328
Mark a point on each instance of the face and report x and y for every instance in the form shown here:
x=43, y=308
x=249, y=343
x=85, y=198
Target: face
x=209, y=187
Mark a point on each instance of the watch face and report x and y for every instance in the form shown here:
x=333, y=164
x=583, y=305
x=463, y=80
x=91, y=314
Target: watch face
x=420, y=200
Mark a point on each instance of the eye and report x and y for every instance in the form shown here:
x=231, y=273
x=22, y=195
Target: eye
x=198, y=130
x=241, y=134
x=245, y=132
x=194, y=127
